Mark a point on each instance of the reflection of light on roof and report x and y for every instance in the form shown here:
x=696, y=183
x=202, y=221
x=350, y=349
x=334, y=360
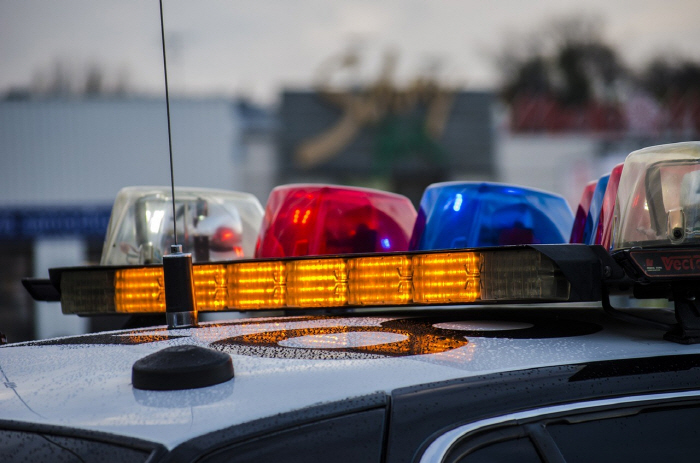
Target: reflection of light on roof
x=456, y=357
x=386, y=244
x=483, y=325
x=342, y=340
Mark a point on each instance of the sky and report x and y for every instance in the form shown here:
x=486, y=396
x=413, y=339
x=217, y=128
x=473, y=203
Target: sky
x=256, y=48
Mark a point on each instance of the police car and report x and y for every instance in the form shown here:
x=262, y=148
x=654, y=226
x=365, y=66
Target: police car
x=471, y=331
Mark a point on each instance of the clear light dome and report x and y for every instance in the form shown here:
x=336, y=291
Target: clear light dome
x=211, y=224
x=658, y=200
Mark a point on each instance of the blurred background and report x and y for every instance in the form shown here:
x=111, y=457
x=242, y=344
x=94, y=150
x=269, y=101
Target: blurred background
x=384, y=93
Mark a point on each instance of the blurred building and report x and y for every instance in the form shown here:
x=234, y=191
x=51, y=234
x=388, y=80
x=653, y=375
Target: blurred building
x=64, y=160
x=396, y=139
x=546, y=145
x=258, y=159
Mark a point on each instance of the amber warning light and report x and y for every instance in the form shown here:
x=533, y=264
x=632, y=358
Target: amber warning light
x=435, y=278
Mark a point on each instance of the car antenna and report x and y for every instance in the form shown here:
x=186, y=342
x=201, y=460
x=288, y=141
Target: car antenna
x=180, y=303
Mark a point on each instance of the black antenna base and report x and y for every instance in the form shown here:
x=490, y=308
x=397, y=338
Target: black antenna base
x=180, y=304
x=177, y=320
x=181, y=367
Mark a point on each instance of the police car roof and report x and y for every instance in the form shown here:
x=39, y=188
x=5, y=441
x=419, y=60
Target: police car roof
x=286, y=364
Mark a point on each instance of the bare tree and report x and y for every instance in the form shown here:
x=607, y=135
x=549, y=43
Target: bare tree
x=668, y=77
x=568, y=60
x=64, y=78
x=61, y=80
x=94, y=81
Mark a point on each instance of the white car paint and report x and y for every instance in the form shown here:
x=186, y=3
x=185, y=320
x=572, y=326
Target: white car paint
x=88, y=386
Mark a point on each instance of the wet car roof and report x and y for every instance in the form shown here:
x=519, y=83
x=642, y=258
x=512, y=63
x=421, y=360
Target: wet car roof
x=292, y=363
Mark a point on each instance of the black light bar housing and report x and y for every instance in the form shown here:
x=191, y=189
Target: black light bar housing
x=592, y=272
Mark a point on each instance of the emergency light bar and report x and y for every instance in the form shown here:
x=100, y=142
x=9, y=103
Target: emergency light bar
x=648, y=247
x=511, y=274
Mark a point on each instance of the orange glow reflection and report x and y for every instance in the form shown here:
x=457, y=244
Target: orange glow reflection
x=415, y=342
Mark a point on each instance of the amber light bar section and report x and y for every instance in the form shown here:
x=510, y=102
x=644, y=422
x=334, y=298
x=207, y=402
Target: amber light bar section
x=211, y=286
x=446, y=278
x=317, y=283
x=256, y=284
x=382, y=280
x=429, y=278
x=139, y=290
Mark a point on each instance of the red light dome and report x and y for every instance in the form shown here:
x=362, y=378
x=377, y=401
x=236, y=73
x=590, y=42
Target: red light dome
x=304, y=220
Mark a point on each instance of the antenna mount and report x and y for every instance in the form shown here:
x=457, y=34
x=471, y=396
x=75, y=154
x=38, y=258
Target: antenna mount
x=180, y=303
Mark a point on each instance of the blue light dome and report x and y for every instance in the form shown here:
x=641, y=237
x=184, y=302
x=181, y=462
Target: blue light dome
x=473, y=214
x=593, y=216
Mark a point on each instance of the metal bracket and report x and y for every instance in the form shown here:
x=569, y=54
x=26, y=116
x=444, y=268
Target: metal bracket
x=630, y=318
x=687, y=330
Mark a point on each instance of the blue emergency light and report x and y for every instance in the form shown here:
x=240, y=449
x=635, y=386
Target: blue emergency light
x=476, y=214
x=594, y=211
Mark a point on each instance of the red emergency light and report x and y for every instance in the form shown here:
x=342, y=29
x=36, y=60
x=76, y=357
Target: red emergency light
x=577, y=232
x=603, y=234
x=304, y=220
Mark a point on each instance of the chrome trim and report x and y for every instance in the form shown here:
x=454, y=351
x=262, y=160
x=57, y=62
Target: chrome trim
x=181, y=319
x=437, y=450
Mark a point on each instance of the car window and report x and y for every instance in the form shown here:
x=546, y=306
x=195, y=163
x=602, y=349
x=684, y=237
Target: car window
x=356, y=437
x=645, y=435
x=521, y=450
x=21, y=446
x=508, y=443
x=648, y=433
